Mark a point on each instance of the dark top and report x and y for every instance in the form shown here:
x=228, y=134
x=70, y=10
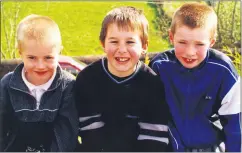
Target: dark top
x=50, y=127
x=125, y=114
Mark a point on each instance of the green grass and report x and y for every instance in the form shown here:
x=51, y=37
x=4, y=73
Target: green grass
x=79, y=22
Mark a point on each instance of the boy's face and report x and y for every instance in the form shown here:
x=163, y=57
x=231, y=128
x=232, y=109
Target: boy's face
x=191, y=45
x=40, y=61
x=123, y=49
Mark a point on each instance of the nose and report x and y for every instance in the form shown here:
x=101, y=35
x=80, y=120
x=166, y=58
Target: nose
x=40, y=64
x=190, y=51
x=122, y=48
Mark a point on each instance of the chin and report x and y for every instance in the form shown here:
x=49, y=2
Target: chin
x=190, y=66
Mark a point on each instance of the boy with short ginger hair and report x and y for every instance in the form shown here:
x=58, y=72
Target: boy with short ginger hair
x=199, y=83
x=118, y=98
x=37, y=109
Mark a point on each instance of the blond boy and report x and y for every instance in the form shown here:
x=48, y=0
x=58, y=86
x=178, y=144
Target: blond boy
x=37, y=110
x=199, y=83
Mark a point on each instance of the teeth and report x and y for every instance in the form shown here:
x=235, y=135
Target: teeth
x=122, y=59
x=189, y=60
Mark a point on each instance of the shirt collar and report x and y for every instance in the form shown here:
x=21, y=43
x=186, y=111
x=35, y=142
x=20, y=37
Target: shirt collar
x=31, y=86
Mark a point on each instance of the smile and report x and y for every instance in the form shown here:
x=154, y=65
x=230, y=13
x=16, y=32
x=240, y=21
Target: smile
x=41, y=73
x=122, y=59
x=189, y=61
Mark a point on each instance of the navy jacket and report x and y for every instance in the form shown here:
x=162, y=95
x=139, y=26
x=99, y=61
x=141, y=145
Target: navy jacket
x=200, y=97
x=121, y=114
x=56, y=119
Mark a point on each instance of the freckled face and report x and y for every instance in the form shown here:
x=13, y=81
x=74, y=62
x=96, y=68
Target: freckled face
x=191, y=45
x=123, y=49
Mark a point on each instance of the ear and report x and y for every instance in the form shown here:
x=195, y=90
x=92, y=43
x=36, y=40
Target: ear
x=61, y=48
x=20, y=53
x=145, y=48
x=212, y=42
x=171, y=37
x=18, y=48
x=103, y=45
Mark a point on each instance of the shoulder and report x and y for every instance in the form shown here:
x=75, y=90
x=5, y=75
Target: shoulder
x=6, y=78
x=63, y=79
x=219, y=56
x=220, y=60
x=149, y=75
x=91, y=70
x=146, y=70
x=166, y=56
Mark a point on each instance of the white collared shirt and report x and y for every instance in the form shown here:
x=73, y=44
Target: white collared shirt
x=37, y=91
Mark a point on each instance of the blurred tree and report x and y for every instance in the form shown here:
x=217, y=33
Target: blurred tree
x=8, y=28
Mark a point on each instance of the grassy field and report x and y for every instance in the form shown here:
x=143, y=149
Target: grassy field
x=79, y=22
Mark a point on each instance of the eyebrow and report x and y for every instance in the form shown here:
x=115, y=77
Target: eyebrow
x=117, y=38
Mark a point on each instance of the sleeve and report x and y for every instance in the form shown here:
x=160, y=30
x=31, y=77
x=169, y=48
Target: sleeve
x=154, y=65
x=154, y=134
x=4, y=114
x=230, y=113
x=90, y=122
x=66, y=123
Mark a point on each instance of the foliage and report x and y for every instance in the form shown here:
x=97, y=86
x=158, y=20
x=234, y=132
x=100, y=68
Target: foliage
x=235, y=56
x=228, y=23
x=228, y=13
x=79, y=22
x=229, y=30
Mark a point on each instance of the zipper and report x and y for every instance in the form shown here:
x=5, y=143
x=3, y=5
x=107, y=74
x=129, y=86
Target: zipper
x=173, y=138
x=187, y=104
x=37, y=103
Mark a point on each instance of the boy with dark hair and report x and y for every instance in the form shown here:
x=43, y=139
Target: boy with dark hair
x=120, y=100
x=201, y=84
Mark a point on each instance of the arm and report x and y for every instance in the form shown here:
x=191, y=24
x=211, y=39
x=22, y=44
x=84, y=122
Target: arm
x=4, y=113
x=66, y=123
x=230, y=116
x=90, y=123
x=154, y=135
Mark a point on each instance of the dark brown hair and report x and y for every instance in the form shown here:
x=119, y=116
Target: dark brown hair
x=126, y=18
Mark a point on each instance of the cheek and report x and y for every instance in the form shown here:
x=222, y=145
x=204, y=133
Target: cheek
x=179, y=50
x=28, y=65
x=135, y=55
x=135, y=50
x=202, y=53
x=109, y=50
x=52, y=64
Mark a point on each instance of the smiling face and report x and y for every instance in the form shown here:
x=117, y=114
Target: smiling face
x=40, y=61
x=123, y=48
x=191, y=44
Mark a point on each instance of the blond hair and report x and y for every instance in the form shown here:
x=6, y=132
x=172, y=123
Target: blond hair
x=126, y=18
x=40, y=28
x=195, y=15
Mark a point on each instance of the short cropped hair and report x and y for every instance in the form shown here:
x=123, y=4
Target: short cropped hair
x=40, y=28
x=195, y=15
x=126, y=18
